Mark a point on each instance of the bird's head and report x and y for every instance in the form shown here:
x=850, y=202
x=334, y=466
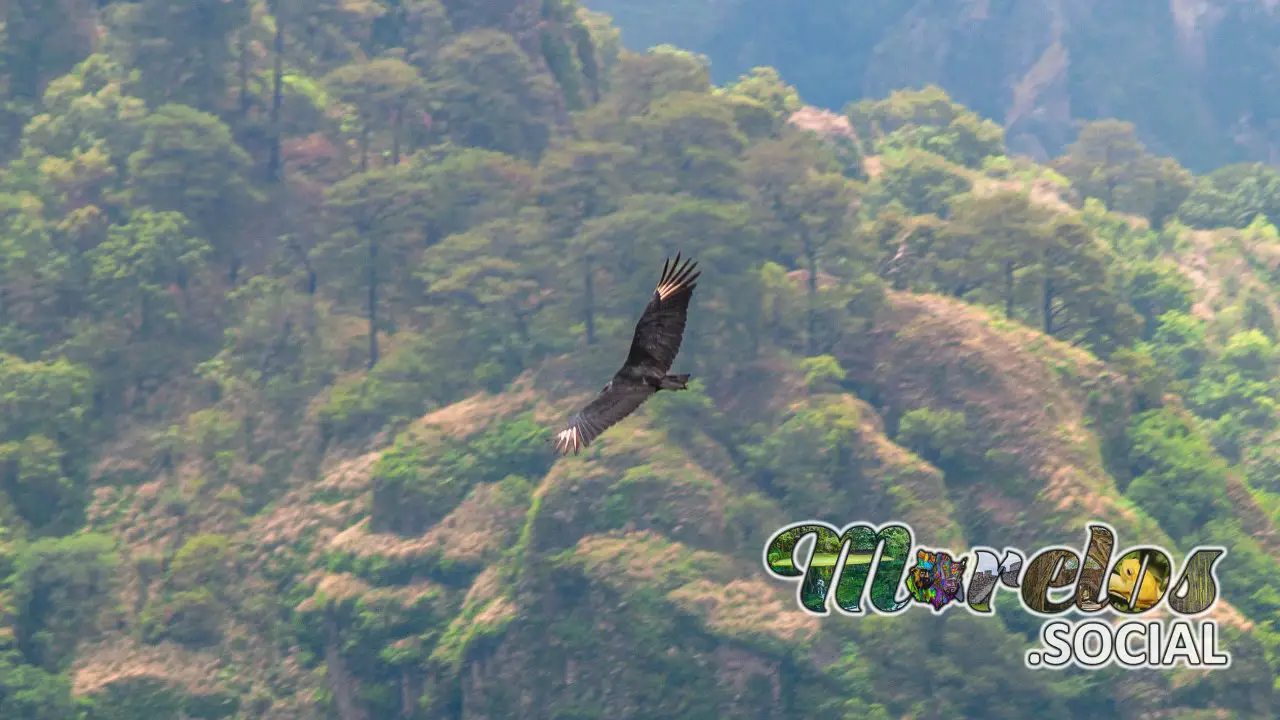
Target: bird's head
x=1124, y=578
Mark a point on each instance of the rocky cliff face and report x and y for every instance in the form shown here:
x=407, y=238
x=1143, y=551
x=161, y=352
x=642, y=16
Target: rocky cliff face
x=1194, y=75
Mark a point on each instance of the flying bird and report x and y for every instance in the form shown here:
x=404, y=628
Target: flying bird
x=653, y=350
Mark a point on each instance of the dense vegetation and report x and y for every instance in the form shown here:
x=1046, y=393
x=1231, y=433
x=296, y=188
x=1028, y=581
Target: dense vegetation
x=291, y=295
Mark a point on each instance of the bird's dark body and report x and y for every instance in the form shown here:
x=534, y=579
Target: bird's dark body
x=657, y=340
x=639, y=378
x=652, y=377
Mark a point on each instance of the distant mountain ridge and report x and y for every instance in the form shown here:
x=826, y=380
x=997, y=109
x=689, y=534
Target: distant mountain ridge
x=1197, y=77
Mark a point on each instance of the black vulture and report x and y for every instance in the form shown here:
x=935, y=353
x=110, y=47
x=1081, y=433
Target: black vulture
x=653, y=350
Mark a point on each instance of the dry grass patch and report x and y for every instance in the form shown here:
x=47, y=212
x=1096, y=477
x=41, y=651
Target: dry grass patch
x=479, y=528
x=122, y=659
x=873, y=165
x=647, y=559
x=345, y=587
x=333, y=587
x=350, y=476
x=1201, y=265
x=293, y=522
x=467, y=417
x=746, y=609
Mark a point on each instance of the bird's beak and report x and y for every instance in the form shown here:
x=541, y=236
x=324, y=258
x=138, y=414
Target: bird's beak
x=1117, y=585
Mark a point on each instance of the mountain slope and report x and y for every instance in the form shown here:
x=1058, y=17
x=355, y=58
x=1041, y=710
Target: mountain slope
x=589, y=589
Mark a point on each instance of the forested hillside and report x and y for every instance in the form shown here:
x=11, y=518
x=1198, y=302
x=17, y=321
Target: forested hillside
x=292, y=296
x=1196, y=76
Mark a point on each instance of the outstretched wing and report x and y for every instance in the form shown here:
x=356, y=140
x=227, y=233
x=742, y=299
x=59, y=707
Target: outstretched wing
x=661, y=327
x=613, y=404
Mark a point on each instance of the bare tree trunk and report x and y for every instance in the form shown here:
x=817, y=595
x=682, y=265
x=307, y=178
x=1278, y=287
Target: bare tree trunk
x=372, y=271
x=407, y=694
x=1046, y=306
x=395, y=140
x=144, y=316
x=1008, y=289
x=245, y=100
x=340, y=682
x=589, y=302
x=812, y=258
x=277, y=95
x=306, y=265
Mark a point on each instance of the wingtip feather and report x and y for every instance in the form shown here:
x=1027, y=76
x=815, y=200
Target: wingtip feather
x=569, y=440
x=670, y=268
x=676, y=277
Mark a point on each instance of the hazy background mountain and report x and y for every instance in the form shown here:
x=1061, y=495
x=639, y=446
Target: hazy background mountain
x=1197, y=77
